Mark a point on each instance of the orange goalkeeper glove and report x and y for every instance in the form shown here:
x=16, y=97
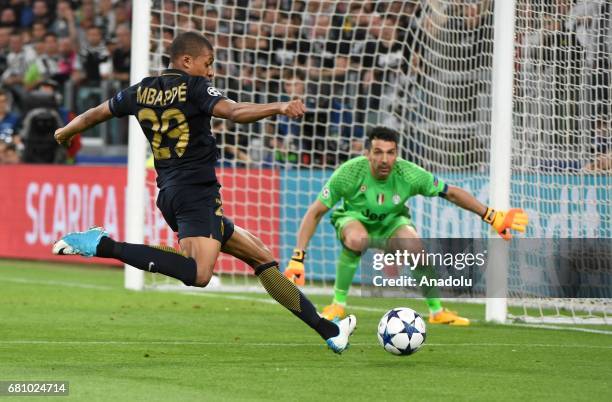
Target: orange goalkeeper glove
x=503, y=221
x=295, y=269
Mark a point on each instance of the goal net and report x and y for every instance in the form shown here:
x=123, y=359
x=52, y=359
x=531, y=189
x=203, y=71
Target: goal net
x=425, y=69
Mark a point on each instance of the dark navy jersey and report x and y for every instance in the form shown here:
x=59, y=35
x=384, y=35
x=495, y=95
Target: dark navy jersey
x=174, y=111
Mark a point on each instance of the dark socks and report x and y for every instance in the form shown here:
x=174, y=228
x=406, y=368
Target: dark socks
x=164, y=260
x=286, y=293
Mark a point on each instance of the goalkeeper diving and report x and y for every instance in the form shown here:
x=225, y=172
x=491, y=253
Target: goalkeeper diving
x=374, y=189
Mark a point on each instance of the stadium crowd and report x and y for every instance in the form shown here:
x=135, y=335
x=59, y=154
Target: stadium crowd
x=355, y=64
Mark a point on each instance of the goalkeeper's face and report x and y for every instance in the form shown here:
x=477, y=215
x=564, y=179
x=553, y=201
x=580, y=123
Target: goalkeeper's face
x=382, y=156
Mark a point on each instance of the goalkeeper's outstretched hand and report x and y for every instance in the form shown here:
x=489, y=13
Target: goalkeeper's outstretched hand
x=295, y=269
x=503, y=221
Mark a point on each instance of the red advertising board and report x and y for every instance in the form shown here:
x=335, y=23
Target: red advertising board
x=39, y=204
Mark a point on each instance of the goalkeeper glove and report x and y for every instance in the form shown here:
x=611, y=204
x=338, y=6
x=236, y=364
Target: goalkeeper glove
x=295, y=270
x=503, y=221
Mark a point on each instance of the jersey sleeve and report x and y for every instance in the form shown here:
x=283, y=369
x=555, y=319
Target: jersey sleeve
x=422, y=181
x=207, y=96
x=337, y=187
x=124, y=102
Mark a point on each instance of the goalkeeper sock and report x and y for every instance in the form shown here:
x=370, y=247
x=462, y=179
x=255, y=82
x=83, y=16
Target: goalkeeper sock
x=287, y=294
x=431, y=293
x=434, y=304
x=348, y=261
x=161, y=259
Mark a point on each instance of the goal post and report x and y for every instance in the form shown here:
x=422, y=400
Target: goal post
x=137, y=142
x=501, y=143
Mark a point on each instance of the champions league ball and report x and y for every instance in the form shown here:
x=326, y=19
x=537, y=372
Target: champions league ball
x=401, y=331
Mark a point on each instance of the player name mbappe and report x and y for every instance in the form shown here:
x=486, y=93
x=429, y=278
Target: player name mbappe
x=156, y=97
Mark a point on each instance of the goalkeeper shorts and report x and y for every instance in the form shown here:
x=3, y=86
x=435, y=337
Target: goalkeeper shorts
x=377, y=234
x=195, y=210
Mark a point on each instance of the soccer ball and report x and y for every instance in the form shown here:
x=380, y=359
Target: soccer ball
x=401, y=331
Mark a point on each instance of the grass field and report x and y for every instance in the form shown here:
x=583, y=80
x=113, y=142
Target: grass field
x=62, y=322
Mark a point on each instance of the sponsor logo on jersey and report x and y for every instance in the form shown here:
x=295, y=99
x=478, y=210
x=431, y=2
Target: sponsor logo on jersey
x=325, y=193
x=380, y=198
x=396, y=199
x=363, y=188
x=212, y=91
x=372, y=216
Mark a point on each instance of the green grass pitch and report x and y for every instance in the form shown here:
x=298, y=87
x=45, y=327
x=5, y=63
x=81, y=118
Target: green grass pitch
x=63, y=322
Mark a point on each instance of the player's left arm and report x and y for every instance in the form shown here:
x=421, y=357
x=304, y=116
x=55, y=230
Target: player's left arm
x=243, y=112
x=502, y=221
x=82, y=122
x=430, y=186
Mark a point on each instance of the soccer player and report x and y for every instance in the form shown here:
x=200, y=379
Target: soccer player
x=375, y=188
x=174, y=110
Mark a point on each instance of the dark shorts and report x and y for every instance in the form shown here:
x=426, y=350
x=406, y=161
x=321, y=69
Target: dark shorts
x=195, y=210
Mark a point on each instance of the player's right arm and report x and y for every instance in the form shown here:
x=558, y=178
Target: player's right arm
x=244, y=112
x=295, y=269
x=329, y=196
x=82, y=122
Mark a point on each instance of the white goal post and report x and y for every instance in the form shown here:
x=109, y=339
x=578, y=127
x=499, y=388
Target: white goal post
x=510, y=100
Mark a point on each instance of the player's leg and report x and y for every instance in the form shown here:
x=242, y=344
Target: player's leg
x=406, y=238
x=192, y=211
x=164, y=260
x=354, y=238
x=248, y=248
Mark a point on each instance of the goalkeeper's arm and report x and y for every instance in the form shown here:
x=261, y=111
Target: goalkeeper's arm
x=295, y=269
x=502, y=221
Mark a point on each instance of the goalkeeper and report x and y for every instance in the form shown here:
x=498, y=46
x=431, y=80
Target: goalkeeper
x=374, y=189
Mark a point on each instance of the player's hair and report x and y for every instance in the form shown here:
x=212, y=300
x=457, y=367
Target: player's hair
x=188, y=43
x=382, y=133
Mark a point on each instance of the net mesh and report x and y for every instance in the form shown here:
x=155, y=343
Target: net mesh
x=424, y=68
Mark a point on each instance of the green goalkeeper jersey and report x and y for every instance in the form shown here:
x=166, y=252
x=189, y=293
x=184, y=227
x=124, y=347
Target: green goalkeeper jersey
x=377, y=203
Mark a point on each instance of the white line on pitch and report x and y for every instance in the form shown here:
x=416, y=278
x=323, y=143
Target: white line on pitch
x=57, y=283
x=279, y=344
x=271, y=301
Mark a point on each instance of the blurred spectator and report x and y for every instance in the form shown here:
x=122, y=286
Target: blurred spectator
x=602, y=147
x=329, y=54
x=385, y=58
x=37, y=65
x=38, y=32
x=8, y=18
x=23, y=9
x=324, y=136
x=9, y=154
x=16, y=61
x=121, y=54
x=592, y=21
x=95, y=58
x=184, y=19
x=9, y=121
x=233, y=146
x=106, y=18
x=68, y=64
x=121, y=12
x=5, y=35
x=287, y=48
x=41, y=12
x=45, y=65
x=65, y=23
x=87, y=19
